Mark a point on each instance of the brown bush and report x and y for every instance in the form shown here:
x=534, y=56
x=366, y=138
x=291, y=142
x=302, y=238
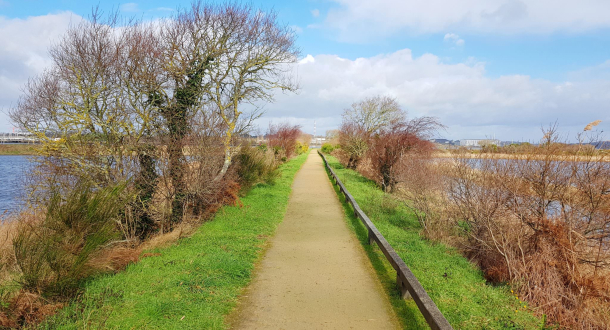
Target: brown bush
x=539, y=220
x=283, y=138
x=390, y=146
x=422, y=189
x=542, y=222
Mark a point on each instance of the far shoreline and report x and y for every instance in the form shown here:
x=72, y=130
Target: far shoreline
x=19, y=149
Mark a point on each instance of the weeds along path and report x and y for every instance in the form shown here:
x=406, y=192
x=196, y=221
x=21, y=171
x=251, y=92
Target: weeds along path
x=315, y=274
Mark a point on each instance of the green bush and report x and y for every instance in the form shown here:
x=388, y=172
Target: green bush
x=255, y=166
x=301, y=148
x=327, y=148
x=54, y=254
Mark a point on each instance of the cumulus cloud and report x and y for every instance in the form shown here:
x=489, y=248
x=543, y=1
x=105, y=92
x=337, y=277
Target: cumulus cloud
x=454, y=39
x=461, y=95
x=25, y=44
x=383, y=17
x=315, y=13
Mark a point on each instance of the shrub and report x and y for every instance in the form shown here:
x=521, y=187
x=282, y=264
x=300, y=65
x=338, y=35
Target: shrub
x=539, y=221
x=327, y=148
x=301, y=148
x=284, y=137
x=53, y=255
x=255, y=166
x=391, y=145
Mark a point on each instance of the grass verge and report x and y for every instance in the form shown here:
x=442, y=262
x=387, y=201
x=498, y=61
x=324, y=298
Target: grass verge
x=456, y=286
x=193, y=284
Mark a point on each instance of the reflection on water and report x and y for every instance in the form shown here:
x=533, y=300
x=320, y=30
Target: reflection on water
x=12, y=171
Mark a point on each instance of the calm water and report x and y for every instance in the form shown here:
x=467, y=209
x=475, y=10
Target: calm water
x=12, y=171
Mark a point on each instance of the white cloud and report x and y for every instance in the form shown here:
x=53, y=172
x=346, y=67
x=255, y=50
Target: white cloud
x=315, y=13
x=130, y=7
x=461, y=95
x=355, y=18
x=307, y=59
x=25, y=44
x=454, y=39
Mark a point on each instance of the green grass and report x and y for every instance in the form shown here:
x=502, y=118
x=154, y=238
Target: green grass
x=454, y=284
x=194, y=284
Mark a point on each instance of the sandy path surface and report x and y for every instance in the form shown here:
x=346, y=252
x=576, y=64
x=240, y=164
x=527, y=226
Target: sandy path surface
x=315, y=274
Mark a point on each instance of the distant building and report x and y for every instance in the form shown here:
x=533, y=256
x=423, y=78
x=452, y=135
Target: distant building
x=478, y=142
x=318, y=140
x=446, y=142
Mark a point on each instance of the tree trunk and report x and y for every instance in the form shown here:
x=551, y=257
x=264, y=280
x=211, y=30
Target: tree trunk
x=176, y=116
x=176, y=173
x=146, y=183
x=227, y=163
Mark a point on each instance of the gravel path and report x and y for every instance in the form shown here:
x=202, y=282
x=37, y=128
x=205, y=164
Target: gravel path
x=315, y=274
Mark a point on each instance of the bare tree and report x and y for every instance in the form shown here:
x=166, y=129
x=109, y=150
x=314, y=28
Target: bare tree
x=249, y=52
x=120, y=95
x=374, y=113
x=354, y=142
x=219, y=57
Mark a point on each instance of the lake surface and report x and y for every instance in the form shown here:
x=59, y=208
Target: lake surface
x=12, y=171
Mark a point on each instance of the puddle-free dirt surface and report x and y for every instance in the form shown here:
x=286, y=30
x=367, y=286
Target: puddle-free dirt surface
x=315, y=274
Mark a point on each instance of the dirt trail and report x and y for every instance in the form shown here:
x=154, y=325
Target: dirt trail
x=315, y=274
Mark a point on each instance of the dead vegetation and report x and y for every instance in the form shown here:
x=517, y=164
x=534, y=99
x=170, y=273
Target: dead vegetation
x=538, y=219
x=540, y=222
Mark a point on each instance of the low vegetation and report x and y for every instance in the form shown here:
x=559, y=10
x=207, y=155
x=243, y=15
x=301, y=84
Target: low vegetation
x=457, y=287
x=193, y=284
x=256, y=165
x=538, y=221
x=327, y=148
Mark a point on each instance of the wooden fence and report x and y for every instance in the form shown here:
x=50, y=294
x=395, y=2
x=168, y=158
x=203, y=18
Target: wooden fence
x=407, y=282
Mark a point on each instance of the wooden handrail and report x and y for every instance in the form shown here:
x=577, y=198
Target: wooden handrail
x=407, y=282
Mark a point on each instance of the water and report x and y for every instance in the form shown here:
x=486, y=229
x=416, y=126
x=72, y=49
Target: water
x=12, y=170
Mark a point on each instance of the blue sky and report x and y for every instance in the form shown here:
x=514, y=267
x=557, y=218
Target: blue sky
x=484, y=67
